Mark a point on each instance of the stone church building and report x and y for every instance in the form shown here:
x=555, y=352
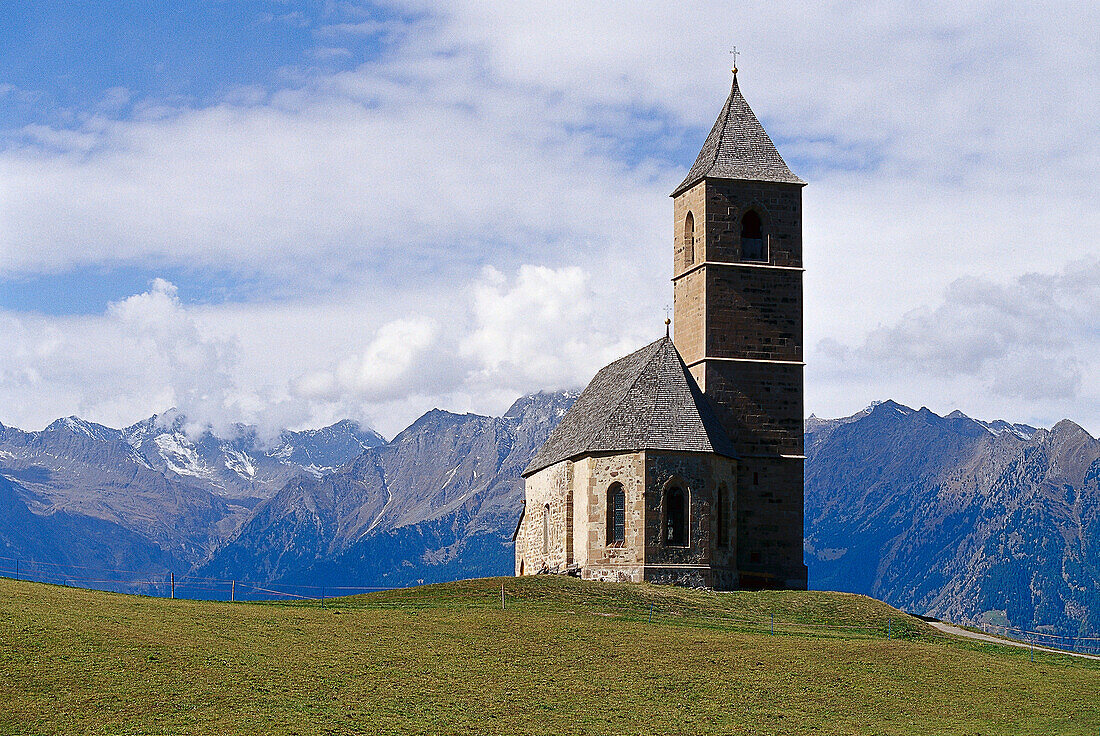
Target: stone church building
x=683, y=462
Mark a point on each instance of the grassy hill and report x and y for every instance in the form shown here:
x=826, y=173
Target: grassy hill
x=564, y=657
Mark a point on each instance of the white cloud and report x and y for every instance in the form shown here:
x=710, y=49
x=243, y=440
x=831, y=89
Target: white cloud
x=307, y=364
x=146, y=351
x=500, y=172
x=384, y=168
x=368, y=27
x=1027, y=351
x=386, y=369
x=548, y=329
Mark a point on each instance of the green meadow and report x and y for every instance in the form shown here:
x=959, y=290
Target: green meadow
x=562, y=657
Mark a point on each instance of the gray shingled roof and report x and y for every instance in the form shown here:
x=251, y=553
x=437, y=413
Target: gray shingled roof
x=645, y=401
x=738, y=147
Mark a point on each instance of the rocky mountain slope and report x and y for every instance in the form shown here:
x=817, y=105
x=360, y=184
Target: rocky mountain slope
x=241, y=466
x=439, y=502
x=161, y=495
x=957, y=518
x=70, y=544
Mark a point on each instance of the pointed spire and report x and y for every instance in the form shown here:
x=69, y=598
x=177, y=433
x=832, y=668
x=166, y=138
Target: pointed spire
x=738, y=147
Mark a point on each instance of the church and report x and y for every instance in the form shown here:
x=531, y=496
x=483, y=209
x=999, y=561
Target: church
x=683, y=462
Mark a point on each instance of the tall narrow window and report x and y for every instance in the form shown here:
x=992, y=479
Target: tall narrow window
x=616, y=515
x=752, y=238
x=722, y=516
x=546, y=529
x=689, y=239
x=676, y=517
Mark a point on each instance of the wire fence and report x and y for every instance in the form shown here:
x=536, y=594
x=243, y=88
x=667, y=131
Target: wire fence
x=169, y=585
x=1084, y=644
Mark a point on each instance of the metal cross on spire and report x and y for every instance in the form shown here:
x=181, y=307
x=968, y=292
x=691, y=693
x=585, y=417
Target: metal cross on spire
x=733, y=52
x=668, y=319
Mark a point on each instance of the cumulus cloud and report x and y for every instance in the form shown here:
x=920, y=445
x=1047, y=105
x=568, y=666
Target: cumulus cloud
x=481, y=209
x=145, y=351
x=282, y=365
x=388, y=367
x=1030, y=346
x=545, y=327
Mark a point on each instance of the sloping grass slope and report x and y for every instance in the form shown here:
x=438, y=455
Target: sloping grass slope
x=564, y=657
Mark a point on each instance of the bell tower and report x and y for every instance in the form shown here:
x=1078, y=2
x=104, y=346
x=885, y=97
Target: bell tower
x=737, y=285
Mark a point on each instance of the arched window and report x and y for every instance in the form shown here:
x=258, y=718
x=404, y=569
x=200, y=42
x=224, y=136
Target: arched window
x=676, y=517
x=722, y=516
x=752, y=238
x=546, y=529
x=616, y=515
x=689, y=239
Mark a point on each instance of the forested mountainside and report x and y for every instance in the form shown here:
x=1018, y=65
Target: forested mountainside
x=957, y=518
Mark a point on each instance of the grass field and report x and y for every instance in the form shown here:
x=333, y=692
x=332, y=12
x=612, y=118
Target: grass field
x=564, y=657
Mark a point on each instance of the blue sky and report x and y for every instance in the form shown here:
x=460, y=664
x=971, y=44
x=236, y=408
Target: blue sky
x=71, y=55
x=291, y=212
x=68, y=61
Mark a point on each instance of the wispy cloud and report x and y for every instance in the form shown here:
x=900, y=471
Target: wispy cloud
x=1026, y=349
x=369, y=27
x=500, y=171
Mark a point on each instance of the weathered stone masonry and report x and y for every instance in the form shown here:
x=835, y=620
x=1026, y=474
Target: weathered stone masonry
x=643, y=555
x=739, y=326
x=704, y=437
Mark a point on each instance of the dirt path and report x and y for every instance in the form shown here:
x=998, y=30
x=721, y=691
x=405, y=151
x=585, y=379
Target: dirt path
x=949, y=629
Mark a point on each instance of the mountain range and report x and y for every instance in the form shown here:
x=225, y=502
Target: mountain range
x=949, y=516
x=438, y=502
x=956, y=518
x=168, y=499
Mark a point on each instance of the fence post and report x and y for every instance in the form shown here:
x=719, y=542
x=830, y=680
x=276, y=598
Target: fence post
x=173, y=575
x=233, y=593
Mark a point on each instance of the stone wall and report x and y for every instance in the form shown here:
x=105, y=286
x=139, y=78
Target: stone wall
x=579, y=541
x=689, y=288
x=717, y=207
x=760, y=405
x=779, y=206
x=551, y=487
x=702, y=561
x=770, y=523
x=689, y=315
x=600, y=472
x=753, y=312
x=694, y=201
x=749, y=363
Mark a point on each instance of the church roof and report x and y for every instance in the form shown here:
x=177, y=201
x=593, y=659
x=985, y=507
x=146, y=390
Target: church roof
x=645, y=401
x=738, y=147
